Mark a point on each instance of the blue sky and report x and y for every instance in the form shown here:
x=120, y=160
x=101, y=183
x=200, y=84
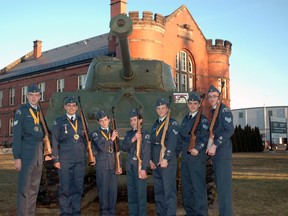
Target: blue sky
x=258, y=30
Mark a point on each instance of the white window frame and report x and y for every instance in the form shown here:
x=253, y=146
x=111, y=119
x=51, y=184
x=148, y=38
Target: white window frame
x=183, y=63
x=1, y=98
x=41, y=86
x=81, y=81
x=60, y=85
x=24, y=91
x=11, y=96
x=177, y=61
x=10, y=130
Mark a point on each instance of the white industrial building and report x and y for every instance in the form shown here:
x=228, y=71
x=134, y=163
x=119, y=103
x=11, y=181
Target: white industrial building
x=260, y=117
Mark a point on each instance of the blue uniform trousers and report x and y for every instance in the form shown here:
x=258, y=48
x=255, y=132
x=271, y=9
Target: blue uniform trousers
x=107, y=189
x=165, y=191
x=28, y=186
x=137, y=193
x=194, y=190
x=71, y=178
x=223, y=176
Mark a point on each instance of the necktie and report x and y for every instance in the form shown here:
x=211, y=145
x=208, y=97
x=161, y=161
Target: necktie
x=72, y=119
x=190, y=116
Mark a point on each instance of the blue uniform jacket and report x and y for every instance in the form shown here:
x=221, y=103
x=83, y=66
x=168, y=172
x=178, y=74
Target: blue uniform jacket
x=128, y=146
x=27, y=142
x=202, y=135
x=170, y=141
x=105, y=159
x=65, y=147
x=223, y=130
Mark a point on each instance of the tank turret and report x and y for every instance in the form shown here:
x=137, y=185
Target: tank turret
x=108, y=73
x=121, y=27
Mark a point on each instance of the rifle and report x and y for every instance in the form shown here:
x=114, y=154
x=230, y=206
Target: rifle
x=46, y=141
x=192, y=142
x=214, y=118
x=166, y=125
x=116, y=146
x=91, y=158
x=138, y=146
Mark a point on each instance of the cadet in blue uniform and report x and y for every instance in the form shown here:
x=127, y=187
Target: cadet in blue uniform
x=136, y=179
x=69, y=151
x=221, y=152
x=164, y=170
x=28, y=152
x=193, y=164
x=106, y=177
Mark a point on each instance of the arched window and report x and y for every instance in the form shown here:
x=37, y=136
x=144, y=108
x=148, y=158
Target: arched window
x=185, y=75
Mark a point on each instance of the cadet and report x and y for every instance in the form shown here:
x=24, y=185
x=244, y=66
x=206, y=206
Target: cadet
x=69, y=151
x=136, y=179
x=28, y=152
x=193, y=163
x=164, y=169
x=106, y=177
x=221, y=152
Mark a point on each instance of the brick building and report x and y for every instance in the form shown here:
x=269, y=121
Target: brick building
x=195, y=61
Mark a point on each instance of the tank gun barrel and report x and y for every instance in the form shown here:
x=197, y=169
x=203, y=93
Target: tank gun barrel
x=121, y=27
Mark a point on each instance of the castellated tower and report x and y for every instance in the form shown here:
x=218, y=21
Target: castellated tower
x=146, y=41
x=218, y=66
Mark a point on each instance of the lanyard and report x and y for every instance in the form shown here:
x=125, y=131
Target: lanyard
x=72, y=125
x=103, y=133
x=158, y=130
x=36, y=118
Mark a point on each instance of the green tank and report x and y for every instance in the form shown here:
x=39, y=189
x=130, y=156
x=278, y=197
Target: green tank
x=123, y=84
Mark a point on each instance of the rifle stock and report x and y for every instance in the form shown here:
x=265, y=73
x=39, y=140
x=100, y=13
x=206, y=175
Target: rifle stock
x=166, y=125
x=192, y=142
x=46, y=140
x=91, y=158
x=116, y=146
x=138, y=146
x=214, y=118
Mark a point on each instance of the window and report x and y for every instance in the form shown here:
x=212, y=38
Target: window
x=41, y=86
x=11, y=96
x=240, y=115
x=184, y=82
x=185, y=76
x=270, y=113
x=24, y=91
x=81, y=81
x=183, y=60
x=177, y=62
x=1, y=98
x=60, y=85
x=11, y=126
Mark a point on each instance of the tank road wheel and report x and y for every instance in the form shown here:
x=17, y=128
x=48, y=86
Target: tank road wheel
x=210, y=181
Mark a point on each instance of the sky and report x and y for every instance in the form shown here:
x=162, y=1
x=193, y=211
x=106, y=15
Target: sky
x=257, y=29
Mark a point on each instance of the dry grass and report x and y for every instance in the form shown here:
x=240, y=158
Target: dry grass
x=260, y=185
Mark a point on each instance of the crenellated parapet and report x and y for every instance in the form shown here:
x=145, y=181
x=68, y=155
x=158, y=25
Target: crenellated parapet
x=148, y=19
x=220, y=46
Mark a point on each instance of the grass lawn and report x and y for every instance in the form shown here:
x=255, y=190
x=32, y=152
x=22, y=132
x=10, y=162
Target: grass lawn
x=260, y=185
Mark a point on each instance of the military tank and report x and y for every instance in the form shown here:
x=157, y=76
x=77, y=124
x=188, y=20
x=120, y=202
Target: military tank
x=123, y=84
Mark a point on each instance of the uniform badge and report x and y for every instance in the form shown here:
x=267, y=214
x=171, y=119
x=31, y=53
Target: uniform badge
x=147, y=136
x=18, y=112
x=15, y=123
x=174, y=123
x=175, y=132
x=228, y=119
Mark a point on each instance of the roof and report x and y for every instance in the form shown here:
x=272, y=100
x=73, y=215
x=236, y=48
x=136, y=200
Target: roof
x=80, y=51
